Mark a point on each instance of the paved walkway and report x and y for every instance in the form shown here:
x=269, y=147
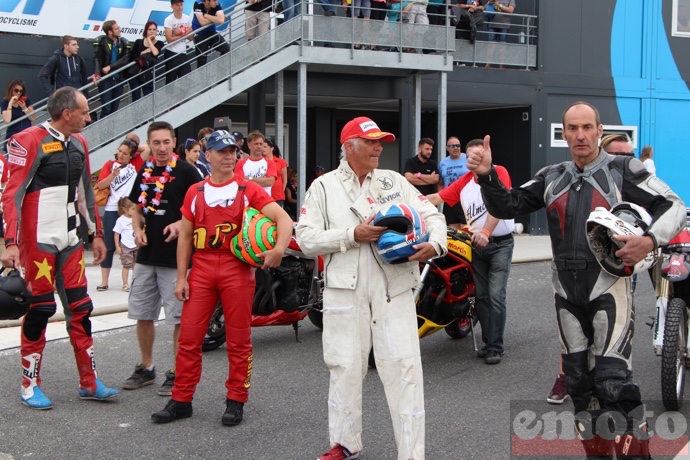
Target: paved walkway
x=110, y=307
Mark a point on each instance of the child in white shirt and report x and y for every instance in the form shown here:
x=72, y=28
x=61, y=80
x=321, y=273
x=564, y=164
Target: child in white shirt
x=124, y=239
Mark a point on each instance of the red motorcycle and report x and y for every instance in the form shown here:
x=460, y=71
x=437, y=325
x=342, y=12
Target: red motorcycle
x=283, y=296
x=445, y=298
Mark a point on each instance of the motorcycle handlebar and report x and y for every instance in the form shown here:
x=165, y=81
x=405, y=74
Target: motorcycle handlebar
x=458, y=234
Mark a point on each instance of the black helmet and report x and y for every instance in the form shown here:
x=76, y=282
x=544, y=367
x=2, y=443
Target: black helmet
x=14, y=298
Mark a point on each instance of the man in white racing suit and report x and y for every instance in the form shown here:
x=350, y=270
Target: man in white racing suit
x=366, y=301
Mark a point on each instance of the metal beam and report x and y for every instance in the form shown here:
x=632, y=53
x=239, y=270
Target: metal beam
x=280, y=113
x=442, y=111
x=416, y=110
x=301, y=133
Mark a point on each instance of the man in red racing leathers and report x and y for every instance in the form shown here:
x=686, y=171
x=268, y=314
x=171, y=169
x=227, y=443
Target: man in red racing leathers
x=50, y=183
x=594, y=308
x=212, y=215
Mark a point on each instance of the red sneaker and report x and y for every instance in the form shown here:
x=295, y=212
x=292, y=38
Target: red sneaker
x=339, y=453
x=559, y=393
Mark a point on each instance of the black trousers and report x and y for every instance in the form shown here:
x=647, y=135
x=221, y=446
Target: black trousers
x=205, y=44
x=176, y=65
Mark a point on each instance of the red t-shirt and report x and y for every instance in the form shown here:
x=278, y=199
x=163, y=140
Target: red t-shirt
x=278, y=189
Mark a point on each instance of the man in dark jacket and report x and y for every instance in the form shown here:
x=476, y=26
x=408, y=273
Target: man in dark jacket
x=111, y=53
x=64, y=68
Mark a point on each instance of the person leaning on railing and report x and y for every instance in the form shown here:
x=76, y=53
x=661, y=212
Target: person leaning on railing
x=177, y=25
x=15, y=105
x=145, y=52
x=207, y=15
x=111, y=52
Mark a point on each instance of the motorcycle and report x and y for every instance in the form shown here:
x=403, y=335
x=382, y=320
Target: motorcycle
x=671, y=327
x=445, y=296
x=283, y=296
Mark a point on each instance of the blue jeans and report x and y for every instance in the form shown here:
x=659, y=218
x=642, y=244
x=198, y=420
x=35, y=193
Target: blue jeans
x=110, y=91
x=498, y=35
x=491, y=266
x=291, y=8
x=327, y=5
x=109, y=219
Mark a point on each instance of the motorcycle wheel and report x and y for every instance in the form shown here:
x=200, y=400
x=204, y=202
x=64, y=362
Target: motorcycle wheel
x=673, y=355
x=316, y=317
x=460, y=328
x=215, y=334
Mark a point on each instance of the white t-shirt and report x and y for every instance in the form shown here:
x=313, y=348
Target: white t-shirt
x=257, y=169
x=123, y=226
x=649, y=164
x=185, y=25
x=468, y=193
x=121, y=186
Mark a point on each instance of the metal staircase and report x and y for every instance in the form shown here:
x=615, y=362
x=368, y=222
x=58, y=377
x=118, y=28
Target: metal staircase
x=300, y=40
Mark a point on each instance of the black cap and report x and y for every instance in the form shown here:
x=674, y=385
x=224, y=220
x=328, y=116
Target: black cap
x=238, y=135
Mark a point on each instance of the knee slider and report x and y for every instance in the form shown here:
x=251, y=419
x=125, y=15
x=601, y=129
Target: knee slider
x=83, y=314
x=36, y=320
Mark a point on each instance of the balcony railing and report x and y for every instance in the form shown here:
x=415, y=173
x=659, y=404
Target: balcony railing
x=372, y=43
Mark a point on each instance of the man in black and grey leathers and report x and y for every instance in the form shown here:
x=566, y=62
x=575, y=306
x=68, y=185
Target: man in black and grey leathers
x=594, y=308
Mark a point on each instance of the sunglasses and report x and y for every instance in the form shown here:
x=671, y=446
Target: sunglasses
x=17, y=90
x=453, y=146
x=186, y=143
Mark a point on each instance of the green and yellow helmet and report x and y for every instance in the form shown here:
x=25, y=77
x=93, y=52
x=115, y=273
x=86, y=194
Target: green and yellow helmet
x=258, y=234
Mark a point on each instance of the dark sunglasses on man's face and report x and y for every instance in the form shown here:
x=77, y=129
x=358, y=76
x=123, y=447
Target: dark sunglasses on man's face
x=454, y=146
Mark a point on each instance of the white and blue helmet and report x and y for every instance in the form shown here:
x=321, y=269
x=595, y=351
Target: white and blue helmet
x=405, y=228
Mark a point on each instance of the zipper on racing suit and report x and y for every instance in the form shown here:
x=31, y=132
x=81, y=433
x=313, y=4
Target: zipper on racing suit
x=578, y=209
x=373, y=248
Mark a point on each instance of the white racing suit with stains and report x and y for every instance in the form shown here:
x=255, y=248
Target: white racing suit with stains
x=594, y=309
x=368, y=303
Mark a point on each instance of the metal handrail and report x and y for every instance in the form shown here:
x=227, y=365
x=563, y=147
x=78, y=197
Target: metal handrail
x=308, y=35
x=40, y=107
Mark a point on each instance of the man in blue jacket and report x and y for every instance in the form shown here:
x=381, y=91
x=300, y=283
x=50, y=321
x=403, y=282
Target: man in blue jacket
x=64, y=68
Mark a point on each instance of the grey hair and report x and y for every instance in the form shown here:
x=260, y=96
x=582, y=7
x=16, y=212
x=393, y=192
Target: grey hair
x=354, y=142
x=63, y=99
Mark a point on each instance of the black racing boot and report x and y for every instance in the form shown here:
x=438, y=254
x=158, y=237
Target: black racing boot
x=174, y=410
x=233, y=413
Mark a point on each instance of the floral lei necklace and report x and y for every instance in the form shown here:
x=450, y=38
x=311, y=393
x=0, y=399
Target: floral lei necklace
x=159, y=185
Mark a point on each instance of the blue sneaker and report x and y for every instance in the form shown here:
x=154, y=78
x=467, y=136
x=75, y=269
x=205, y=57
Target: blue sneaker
x=102, y=392
x=35, y=399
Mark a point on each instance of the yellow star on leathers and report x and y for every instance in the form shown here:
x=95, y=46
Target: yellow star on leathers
x=43, y=270
x=82, y=263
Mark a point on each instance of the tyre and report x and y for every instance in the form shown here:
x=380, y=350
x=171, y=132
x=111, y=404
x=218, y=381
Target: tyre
x=460, y=327
x=215, y=334
x=673, y=355
x=316, y=317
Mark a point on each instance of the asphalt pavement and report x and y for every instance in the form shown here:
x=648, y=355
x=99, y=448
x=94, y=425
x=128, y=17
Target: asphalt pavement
x=110, y=307
x=470, y=406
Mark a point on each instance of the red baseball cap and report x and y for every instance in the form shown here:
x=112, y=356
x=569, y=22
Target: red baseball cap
x=364, y=128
